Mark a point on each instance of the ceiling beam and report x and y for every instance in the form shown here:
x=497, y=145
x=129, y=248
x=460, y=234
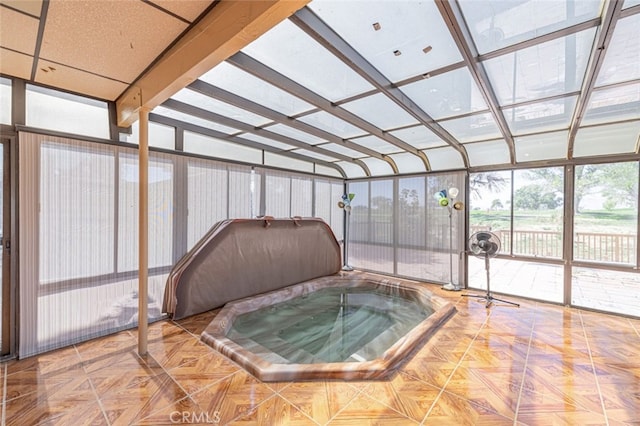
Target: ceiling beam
x=611, y=14
x=533, y=41
x=168, y=121
x=227, y=28
x=452, y=16
x=317, y=29
x=240, y=102
x=258, y=69
x=248, y=128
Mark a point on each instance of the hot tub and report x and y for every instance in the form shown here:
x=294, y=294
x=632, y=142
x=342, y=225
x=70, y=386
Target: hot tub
x=289, y=312
x=347, y=326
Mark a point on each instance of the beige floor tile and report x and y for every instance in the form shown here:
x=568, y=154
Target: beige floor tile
x=496, y=371
x=232, y=397
x=320, y=400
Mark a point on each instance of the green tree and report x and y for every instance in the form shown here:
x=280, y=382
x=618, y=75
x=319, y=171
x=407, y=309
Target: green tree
x=490, y=181
x=620, y=183
x=553, y=178
x=534, y=197
x=496, y=205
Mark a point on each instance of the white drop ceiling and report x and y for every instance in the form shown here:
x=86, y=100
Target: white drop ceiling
x=368, y=87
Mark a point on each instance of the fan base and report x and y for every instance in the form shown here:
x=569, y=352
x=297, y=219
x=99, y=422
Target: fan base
x=489, y=299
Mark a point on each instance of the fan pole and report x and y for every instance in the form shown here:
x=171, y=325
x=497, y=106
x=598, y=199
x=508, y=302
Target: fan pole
x=489, y=247
x=486, y=268
x=451, y=284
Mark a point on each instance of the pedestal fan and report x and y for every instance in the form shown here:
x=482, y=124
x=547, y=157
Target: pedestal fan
x=486, y=244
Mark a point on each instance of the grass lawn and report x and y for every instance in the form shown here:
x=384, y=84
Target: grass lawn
x=620, y=221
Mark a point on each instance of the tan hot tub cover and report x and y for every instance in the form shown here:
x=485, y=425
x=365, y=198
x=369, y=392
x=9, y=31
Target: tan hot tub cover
x=239, y=258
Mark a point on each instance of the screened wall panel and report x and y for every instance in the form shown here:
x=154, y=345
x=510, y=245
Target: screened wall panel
x=244, y=192
x=411, y=226
x=437, y=229
x=207, y=197
x=490, y=205
x=534, y=280
x=327, y=195
x=606, y=213
x=160, y=207
x=77, y=210
x=302, y=196
x=612, y=291
x=398, y=227
x=538, y=216
x=290, y=194
x=71, y=288
x=277, y=187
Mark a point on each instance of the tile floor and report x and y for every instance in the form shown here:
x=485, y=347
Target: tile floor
x=539, y=364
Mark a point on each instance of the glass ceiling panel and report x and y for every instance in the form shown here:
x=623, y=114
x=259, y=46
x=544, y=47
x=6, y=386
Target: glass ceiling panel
x=445, y=158
x=472, y=128
x=351, y=170
x=380, y=111
x=276, y=160
x=547, y=146
x=548, y=69
x=205, y=145
x=332, y=124
x=290, y=51
x=243, y=84
x=166, y=112
x=621, y=59
x=614, y=104
x=419, y=137
x=328, y=171
x=540, y=116
x=497, y=24
x=488, y=153
x=281, y=129
x=629, y=3
x=313, y=154
x=377, y=144
x=343, y=150
x=447, y=95
x=205, y=102
x=409, y=29
x=378, y=167
x=620, y=138
x=266, y=141
x=408, y=163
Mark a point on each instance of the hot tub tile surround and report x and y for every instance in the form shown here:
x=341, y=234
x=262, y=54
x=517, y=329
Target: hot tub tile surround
x=215, y=333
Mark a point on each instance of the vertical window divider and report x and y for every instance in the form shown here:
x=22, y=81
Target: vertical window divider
x=116, y=206
x=567, y=249
x=226, y=169
x=511, y=214
x=638, y=222
x=394, y=221
x=180, y=208
x=313, y=195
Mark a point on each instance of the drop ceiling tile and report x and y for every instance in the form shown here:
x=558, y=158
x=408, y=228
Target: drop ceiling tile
x=18, y=31
x=32, y=7
x=189, y=9
x=107, y=39
x=78, y=81
x=15, y=64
